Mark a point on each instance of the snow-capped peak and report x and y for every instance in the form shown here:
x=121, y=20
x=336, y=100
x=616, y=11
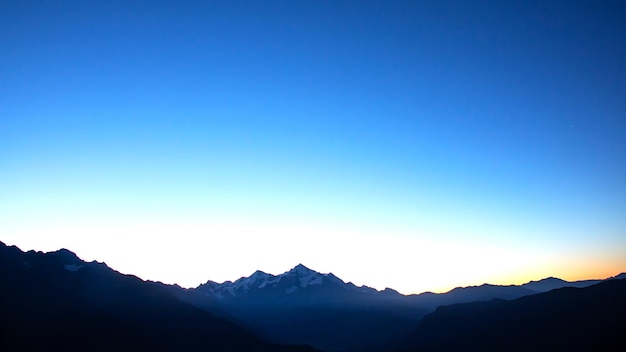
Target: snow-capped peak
x=297, y=278
x=305, y=275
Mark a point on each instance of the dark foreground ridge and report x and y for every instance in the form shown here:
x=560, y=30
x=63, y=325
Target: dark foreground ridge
x=56, y=302
x=565, y=319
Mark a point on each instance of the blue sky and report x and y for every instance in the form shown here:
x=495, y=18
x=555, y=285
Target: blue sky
x=447, y=142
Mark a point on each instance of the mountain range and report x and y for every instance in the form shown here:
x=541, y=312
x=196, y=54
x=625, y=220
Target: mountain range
x=57, y=301
x=304, y=306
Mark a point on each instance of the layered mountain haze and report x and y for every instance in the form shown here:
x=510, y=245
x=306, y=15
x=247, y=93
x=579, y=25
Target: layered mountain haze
x=56, y=300
x=305, y=306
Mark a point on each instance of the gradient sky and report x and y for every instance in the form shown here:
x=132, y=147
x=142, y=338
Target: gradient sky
x=418, y=145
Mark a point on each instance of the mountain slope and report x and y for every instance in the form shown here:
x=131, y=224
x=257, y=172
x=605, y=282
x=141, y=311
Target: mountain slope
x=55, y=301
x=590, y=318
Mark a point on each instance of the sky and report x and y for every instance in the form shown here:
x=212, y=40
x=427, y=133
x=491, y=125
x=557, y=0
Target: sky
x=417, y=145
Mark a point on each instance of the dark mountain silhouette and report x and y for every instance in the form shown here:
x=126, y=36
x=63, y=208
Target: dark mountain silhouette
x=55, y=301
x=589, y=319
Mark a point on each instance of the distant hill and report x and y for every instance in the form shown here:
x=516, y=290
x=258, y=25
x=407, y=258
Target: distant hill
x=57, y=302
x=487, y=292
x=565, y=319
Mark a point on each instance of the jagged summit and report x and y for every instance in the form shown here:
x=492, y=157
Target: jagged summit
x=301, y=268
x=298, y=278
x=305, y=276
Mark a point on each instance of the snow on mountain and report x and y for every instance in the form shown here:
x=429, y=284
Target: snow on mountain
x=304, y=275
x=73, y=267
x=257, y=280
x=298, y=278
